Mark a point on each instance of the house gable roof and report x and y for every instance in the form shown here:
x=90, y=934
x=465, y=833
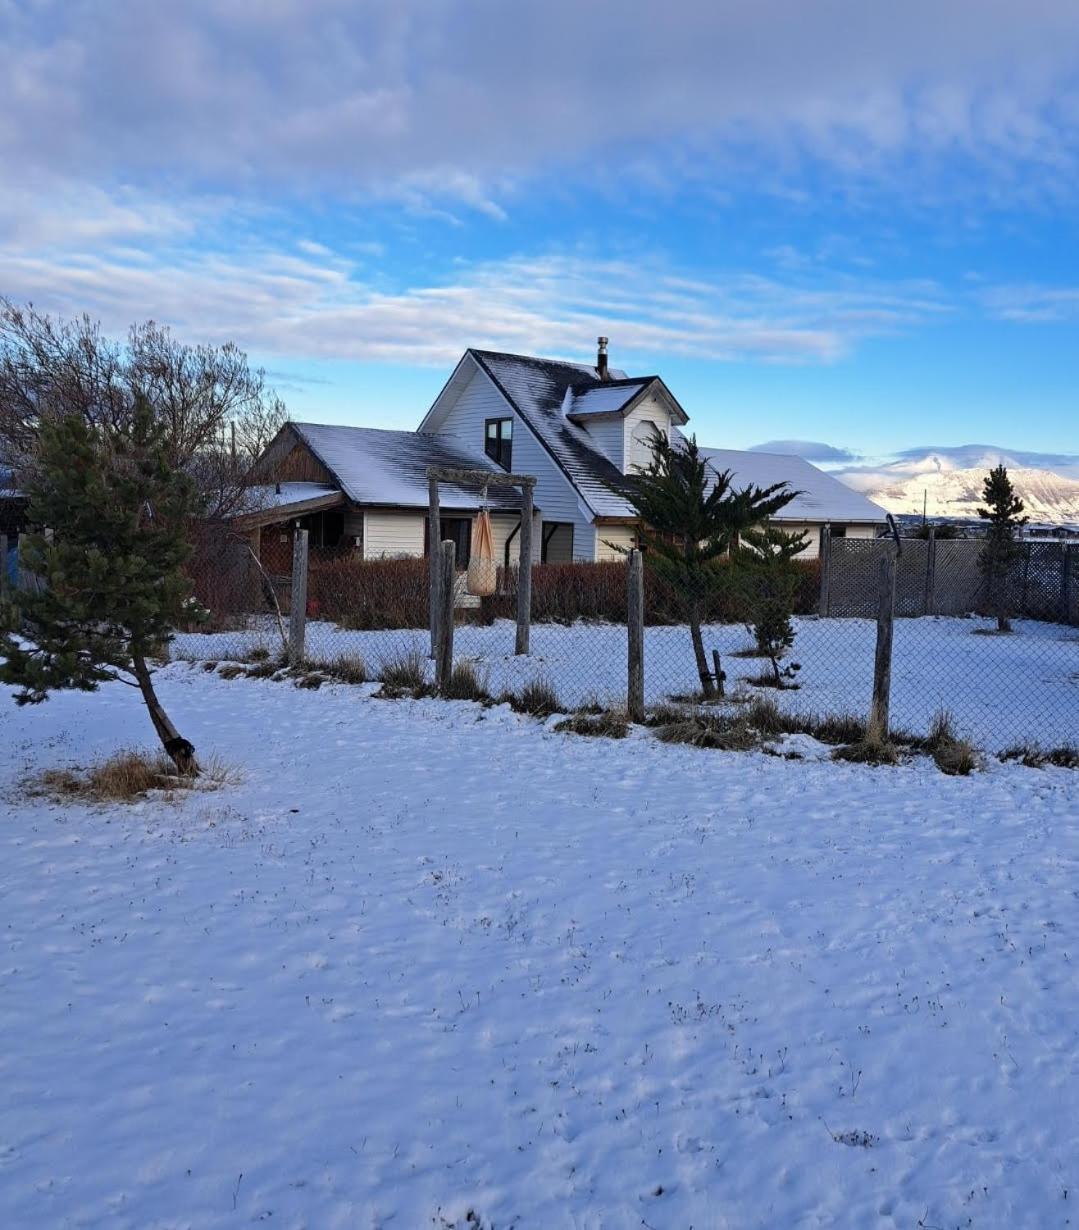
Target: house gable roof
x=389, y=468
x=619, y=398
x=821, y=497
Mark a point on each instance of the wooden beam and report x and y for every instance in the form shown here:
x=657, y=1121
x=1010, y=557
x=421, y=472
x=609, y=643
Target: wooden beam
x=524, y=576
x=480, y=478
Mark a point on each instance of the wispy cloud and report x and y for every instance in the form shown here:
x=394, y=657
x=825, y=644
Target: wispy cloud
x=308, y=301
x=811, y=450
x=1032, y=304
x=928, y=459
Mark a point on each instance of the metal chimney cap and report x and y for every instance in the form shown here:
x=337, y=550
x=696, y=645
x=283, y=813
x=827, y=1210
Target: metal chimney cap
x=602, y=342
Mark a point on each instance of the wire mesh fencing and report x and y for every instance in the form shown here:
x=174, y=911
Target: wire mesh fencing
x=1000, y=689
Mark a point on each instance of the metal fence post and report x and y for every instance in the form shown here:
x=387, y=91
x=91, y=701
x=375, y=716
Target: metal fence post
x=635, y=631
x=447, y=579
x=825, y=568
x=524, y=573
x=882, y=663
x=297, y=615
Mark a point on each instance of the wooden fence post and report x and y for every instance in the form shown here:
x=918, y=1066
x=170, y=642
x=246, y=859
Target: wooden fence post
x=297, y=615
x=434, y=538
x=882, y=664
x=635, y=631
x=524, y=573
x=825, y=568
x=3, y=566
x=930, y=603
x=447, y=585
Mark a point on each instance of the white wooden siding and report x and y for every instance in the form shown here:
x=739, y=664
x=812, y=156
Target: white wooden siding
x=610, y=537
x=502, y=528
x=649, y=411
x=554, y=494
x=389, y=534
x=609, y=437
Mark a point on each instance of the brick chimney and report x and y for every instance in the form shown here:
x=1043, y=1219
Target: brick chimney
x=601, y=359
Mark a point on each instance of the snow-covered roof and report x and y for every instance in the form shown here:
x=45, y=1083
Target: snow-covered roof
x=390, y=467
x=277, y=496
x=821, y=498
x=537, y=389
x=610, y=398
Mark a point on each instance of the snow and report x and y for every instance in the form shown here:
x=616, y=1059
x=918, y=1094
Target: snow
x=426, y=959
x=1000, y=690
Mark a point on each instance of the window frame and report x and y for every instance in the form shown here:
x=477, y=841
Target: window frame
x=503, y=445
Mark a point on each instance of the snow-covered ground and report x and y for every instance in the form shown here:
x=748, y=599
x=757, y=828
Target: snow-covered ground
x=428, y=965
x=1001, y=690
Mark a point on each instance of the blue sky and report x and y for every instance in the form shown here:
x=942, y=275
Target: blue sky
x=829, y=223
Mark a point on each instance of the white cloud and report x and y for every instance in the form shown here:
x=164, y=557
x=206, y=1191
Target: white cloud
x=305, y=300
x=1032, y=304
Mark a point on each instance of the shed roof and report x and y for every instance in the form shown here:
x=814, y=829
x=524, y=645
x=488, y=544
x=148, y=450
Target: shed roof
x=390, y=467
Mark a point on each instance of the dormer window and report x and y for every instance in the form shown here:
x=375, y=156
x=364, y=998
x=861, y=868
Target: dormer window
x=498, y=442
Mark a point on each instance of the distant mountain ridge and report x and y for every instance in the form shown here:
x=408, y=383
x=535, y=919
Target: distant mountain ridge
x=948, y=490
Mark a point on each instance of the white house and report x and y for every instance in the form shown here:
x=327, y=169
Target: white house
x=579, y=429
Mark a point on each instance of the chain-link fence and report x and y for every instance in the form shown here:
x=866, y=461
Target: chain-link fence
x=1000, y=689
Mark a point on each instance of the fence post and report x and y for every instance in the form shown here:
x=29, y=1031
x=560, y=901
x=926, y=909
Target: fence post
x=1069, y=582
x=3, y=567
x=635, y=633
x=825, y=567
x=930, y=603
x=434, y=538
x=524, y=573
x=297, y=614
x=882, y=663
x=447, y=585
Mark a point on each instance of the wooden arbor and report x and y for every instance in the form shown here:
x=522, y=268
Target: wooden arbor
x=481, y=478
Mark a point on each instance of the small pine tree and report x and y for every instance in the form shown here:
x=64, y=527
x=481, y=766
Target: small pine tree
x=691, y=517
x=1003, y=511
x=768, y=581
x=110, y=584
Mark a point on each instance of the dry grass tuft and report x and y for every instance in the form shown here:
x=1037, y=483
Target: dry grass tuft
x=1034, y=756
x=605, y=725
x=869, y=749
x=124, y=778
x=405, y=673
x=537, y=698
x=466, y=683
x=721, y=731
x=231, y=670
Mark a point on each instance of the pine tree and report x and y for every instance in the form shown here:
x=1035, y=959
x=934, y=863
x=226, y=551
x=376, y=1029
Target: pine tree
x=768, y=580
x=691, y=517
x=1003, y=511
x=109, y=569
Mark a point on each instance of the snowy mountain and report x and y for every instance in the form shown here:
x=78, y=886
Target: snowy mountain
x=954, y=490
